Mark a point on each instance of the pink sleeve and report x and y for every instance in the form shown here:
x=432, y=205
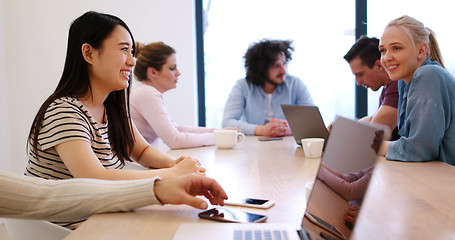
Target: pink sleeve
x=352, y=177
x=190, y=129
x=150, y=106
x=349, y=190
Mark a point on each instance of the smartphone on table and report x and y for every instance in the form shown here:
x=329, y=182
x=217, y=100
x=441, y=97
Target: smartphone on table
x=270, y=138
x=250, y=202
x=232, y=215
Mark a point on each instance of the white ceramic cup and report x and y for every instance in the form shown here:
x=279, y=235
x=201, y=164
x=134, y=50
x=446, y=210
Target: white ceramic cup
x=308, y=187
x=312, y=147
x=226, y=138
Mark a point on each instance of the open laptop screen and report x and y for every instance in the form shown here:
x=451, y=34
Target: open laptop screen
x=342, y=179
x=305, y=122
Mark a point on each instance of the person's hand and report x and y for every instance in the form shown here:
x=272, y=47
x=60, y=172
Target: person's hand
x=351, y=214
x=180, y=159
x=275, y=128
x=183, y=189
x=186, y=165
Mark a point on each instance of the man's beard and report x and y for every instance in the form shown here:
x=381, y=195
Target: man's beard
x=274, y=83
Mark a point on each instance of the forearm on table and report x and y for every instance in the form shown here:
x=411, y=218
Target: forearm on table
x=70, y=200
x=387, y=116
x=383, y=149
x=184, y=137
x=232, y=115
x=366, y=119
x=152, y=157
x=348, y=190
x=259, y=130
x=191, y=129
x=188, y=140
x=354, y=176
x=126, y=174
x=330, y=170
x=244, y=127
x=176, y=136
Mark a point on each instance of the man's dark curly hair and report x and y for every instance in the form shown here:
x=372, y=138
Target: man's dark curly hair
x=261, y=55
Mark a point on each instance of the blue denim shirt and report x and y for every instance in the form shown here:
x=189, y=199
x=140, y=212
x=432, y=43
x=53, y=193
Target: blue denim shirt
x=247, y=104
x=426, y=111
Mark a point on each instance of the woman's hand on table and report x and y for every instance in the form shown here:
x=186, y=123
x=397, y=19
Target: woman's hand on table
x=184, y=165
x=184, y=189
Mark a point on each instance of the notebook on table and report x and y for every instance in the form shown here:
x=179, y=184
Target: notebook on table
x=305, y=122
x=323, y=218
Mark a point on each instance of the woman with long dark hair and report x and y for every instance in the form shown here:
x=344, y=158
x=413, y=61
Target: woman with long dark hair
x=83, y=129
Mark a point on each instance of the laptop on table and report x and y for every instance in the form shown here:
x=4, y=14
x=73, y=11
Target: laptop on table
x=305, y=122
x=323, y=217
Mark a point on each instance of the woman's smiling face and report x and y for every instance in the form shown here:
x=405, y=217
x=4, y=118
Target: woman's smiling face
x=111, y=65
x=399, y=55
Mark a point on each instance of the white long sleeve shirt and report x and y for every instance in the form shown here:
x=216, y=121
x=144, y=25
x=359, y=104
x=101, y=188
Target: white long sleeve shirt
x=72, y=199
x=152, y=120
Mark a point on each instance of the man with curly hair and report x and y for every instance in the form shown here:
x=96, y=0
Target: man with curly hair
x=254, y=104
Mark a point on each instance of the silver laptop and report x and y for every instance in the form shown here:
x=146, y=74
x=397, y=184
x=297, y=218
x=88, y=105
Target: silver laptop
x=305, y=122
x=323, y=218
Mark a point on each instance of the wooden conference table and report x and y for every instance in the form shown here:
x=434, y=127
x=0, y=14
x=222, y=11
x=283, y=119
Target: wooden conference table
x=405, y=200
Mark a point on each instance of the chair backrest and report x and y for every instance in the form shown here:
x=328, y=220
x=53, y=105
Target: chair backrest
x=21, y=229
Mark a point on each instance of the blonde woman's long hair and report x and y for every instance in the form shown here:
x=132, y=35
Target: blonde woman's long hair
x=420, y=34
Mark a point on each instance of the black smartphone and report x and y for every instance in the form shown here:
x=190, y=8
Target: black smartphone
x=231, y=215
x=325, y=225
x=270, y=138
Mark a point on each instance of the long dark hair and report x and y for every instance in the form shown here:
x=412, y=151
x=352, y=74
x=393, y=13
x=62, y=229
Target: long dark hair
x=92, y=28
x=260, y=56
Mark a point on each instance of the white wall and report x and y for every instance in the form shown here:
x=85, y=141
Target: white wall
x=35, y=35
x=4, y=126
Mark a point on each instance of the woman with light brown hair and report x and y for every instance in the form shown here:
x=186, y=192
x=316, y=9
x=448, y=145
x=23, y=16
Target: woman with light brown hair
x=156, y=70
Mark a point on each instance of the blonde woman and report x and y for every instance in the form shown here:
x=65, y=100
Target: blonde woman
x=426, y=108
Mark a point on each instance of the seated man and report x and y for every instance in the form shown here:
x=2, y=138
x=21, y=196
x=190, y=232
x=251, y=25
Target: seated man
x=254, y=104
x=364, y=60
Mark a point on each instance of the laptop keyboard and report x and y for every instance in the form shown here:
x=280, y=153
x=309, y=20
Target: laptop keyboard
x=260, y=235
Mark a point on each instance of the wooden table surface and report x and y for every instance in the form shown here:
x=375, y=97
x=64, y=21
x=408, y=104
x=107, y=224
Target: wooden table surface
x=408, y=200
x=404, y=201
x=275, y=170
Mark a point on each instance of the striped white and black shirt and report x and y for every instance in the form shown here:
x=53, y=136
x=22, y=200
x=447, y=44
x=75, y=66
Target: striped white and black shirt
x=67, y=119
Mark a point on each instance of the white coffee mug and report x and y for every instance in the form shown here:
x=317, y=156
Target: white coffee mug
x=312, y=147
x=226, y=138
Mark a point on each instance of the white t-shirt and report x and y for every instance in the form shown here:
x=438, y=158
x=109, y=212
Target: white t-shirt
x=270, y=113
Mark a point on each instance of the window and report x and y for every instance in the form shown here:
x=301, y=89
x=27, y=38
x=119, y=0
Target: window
x=322, y=31
x=436, y=15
